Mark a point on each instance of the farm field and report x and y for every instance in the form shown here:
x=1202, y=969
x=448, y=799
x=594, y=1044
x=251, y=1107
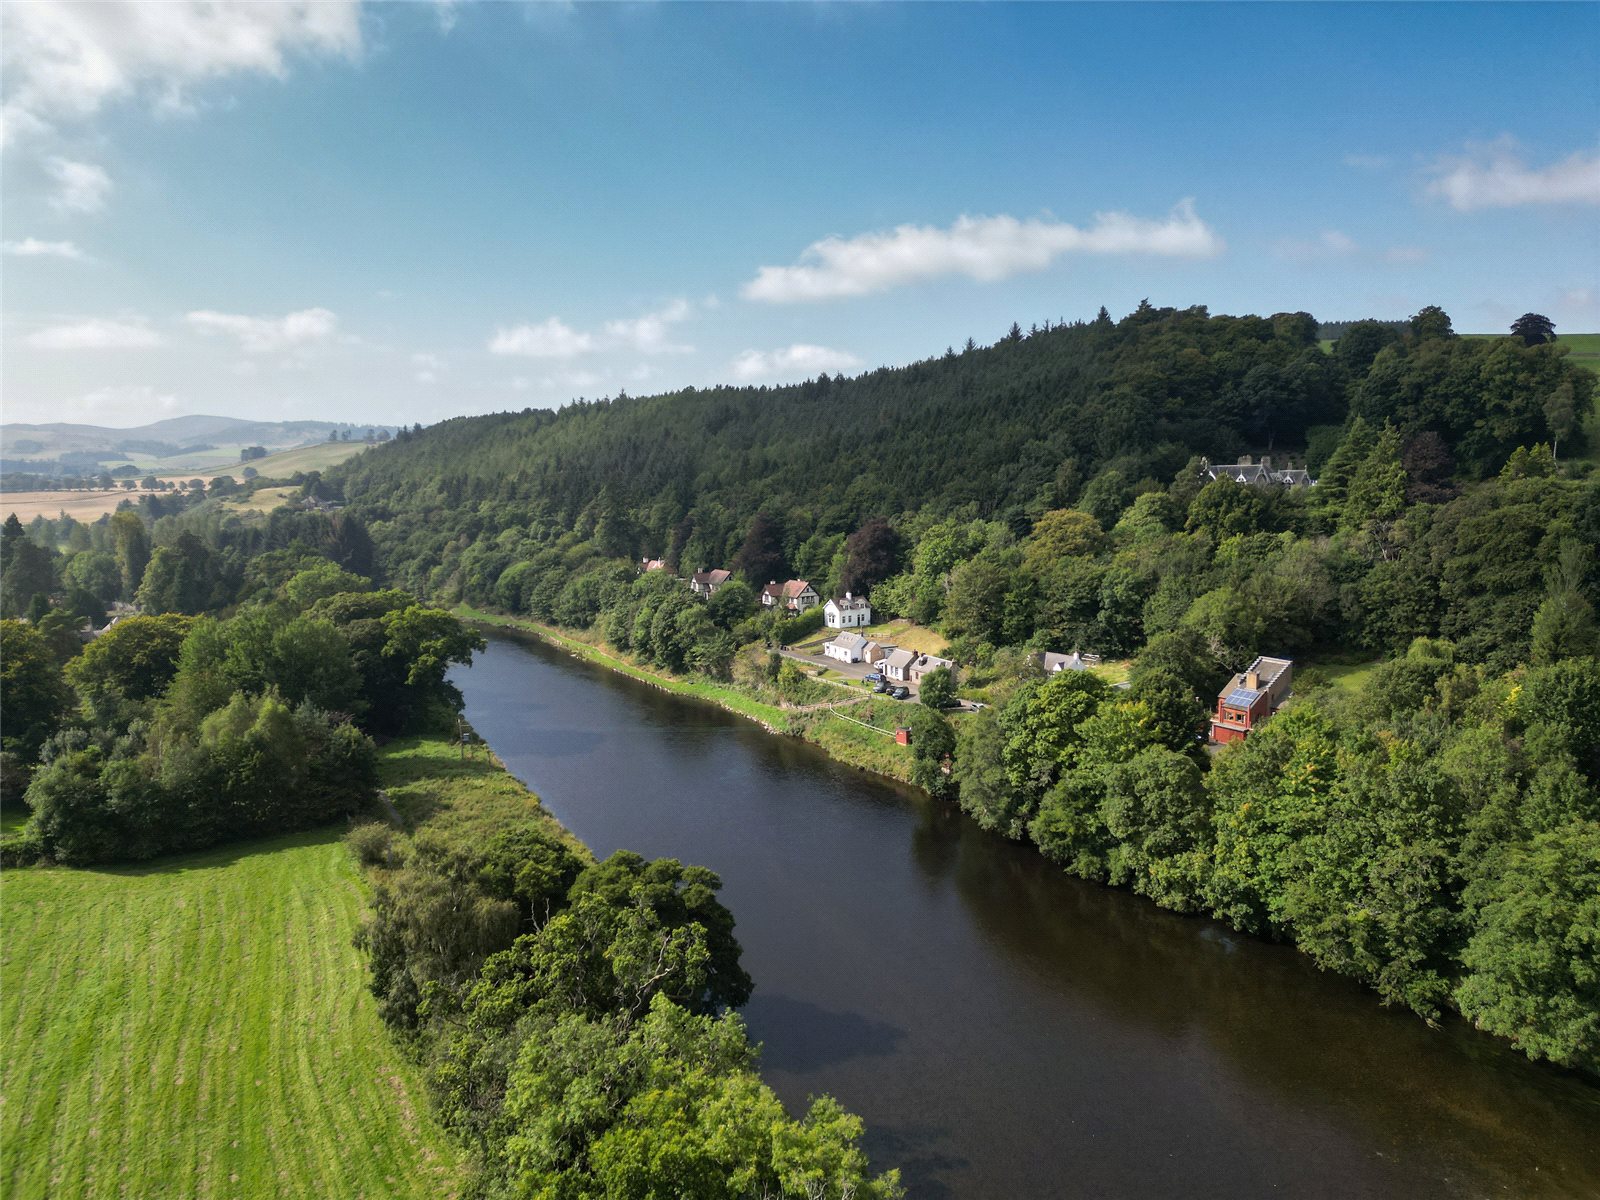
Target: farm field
x=317, y=457
x=262, y=500
x=84, y=506
x=199, y=1027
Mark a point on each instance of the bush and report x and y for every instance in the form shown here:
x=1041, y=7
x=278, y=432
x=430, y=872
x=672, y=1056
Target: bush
x=373, y=845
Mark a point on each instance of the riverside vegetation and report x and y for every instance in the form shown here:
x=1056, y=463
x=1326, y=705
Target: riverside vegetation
x=1432, y=830
x=571, y=1020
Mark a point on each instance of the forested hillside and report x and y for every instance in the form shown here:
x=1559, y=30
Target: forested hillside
x=1002, y=432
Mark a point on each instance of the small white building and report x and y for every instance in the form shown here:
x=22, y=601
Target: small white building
x=1052, y=662
x=853, y=612
x=847, y=647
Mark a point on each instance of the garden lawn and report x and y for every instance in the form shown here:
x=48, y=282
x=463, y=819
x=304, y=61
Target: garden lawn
x=200, y=1027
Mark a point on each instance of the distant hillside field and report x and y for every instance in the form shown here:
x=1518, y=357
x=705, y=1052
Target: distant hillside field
x=285, y=463
x=200, y=1028
x=87, y=507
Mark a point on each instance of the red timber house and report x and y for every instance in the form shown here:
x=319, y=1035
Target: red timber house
x=1252, y=696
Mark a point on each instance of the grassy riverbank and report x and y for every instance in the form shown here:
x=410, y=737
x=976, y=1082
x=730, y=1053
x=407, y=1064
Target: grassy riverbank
x=200, y=1026
x=869, y=749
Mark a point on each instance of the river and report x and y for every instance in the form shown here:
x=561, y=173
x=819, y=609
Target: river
x=1006, y=1031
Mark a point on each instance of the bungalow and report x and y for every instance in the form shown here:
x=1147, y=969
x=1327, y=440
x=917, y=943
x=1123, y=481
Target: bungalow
x=1251, y=696
x=850, y=613
x=706, y=583
x=847, y=647
x=897, y=665
x=875, y=652
x=1051, y=662
x=1261, y=474
x=929, y=662
x=793, y=596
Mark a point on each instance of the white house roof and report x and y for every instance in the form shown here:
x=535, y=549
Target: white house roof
x=900, y=658
x=850, y=641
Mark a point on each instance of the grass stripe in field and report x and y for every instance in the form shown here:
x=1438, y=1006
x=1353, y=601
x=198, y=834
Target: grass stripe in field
x=200, y=1027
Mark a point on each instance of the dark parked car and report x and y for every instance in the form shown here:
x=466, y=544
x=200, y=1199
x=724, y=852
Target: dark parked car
x=900, y=693
x=881, y=686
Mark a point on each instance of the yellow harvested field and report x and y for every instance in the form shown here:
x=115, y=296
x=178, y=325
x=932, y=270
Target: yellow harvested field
x=262, y=501
x=84, y=506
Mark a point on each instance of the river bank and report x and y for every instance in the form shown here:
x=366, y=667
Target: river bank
x=847, y=742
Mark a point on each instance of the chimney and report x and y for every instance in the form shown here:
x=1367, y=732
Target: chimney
x=847, y=595
x=1252, y=680
x=1266, y=462
x=1245, y=460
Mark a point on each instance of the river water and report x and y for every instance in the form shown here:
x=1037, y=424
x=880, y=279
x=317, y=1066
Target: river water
x=1006, y=1031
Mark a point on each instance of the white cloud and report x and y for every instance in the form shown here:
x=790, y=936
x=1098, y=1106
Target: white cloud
x=98, y=333
x=80, y=187
x=1497, y=176
x=551, y=338
x=981, y=248
x=445, y=12
x=65, y=60
x=1330, y=243
x=428, y=367
x=648, y=334
x=125, y=405
x=800, y=361
x=34, y=248
x=554, y=338
x=1405, y=255
x=262, y=335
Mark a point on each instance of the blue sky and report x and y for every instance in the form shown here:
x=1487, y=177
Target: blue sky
x=405, y=212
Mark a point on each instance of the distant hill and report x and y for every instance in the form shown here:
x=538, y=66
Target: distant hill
x=193, y=443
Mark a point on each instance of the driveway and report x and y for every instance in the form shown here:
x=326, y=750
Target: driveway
x=817, y=658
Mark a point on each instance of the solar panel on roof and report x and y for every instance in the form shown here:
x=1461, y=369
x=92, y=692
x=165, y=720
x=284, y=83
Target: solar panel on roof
x=1242, y=697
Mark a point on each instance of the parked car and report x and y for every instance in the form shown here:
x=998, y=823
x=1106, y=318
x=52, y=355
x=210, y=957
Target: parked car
x=900, y=693
x=881, y=686
x=873, y=677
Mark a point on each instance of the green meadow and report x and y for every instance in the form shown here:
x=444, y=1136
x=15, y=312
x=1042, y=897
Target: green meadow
x=200, y=1027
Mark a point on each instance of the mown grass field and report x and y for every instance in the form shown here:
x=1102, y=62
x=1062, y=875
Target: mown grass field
x=200, y=1027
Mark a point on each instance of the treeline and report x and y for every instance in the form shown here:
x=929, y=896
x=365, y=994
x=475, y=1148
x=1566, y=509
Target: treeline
x=170, y=732
x=576, y=1020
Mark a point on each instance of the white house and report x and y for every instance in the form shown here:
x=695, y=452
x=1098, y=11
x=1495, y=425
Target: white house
x=847, y=647
x=1053, y=662
x=853, y=612
x=925, y=663
x=793, y=596
x=897, y=665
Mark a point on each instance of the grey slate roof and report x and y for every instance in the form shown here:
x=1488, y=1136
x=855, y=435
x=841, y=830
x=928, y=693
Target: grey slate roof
x=850, y=641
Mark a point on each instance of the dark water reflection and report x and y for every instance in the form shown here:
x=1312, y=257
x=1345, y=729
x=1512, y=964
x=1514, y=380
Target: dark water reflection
x=1006, y=1031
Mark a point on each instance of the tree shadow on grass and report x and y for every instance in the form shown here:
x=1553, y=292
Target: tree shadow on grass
x=224, y=855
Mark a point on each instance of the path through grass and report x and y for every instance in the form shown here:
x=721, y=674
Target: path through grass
x=200, y=1027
